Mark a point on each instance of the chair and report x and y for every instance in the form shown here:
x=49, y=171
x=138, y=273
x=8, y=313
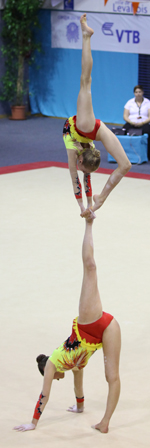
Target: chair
x=134, y=146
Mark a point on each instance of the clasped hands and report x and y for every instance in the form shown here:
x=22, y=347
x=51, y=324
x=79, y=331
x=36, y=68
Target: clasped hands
x=88, y=214
x=137, y=124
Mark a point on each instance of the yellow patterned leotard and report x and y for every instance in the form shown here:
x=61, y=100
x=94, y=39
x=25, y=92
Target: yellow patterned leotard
x=80, y=346
x=73, y=139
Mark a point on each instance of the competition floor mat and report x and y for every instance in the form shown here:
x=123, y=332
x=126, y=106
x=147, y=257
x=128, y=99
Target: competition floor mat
x=41, y=275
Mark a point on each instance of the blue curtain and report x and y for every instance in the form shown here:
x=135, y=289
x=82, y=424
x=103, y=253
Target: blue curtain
x=55, y=79
x=144, y=71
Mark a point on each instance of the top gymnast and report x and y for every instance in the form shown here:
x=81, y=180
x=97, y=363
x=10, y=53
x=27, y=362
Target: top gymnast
x=80, y=131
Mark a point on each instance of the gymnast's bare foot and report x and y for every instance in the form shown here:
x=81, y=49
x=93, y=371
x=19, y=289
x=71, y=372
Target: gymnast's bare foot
x=102, y=426
x=85, y=28
x=98, y=202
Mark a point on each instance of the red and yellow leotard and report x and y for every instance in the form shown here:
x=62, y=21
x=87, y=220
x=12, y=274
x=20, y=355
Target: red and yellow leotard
x=72, y=136
x=80, y=346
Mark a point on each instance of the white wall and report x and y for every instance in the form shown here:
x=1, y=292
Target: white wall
x=79, y=5
x=113, y=6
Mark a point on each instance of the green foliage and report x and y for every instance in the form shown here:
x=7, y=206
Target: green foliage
x=20, y=20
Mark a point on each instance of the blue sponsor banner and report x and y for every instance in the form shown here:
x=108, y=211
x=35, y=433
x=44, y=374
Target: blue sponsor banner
x=121, y=33
x=69, y=4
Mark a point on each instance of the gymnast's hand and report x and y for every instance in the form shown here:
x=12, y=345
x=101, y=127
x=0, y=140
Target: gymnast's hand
x=27, y=427
x=75, y=409
x=88, y=214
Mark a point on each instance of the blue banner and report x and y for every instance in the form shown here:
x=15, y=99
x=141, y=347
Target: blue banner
x=113, y=75
x=112, y=32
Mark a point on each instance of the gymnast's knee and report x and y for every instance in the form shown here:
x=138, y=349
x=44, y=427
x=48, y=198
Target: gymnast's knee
x=112, y=377
x=85, y=82
x=89, y=263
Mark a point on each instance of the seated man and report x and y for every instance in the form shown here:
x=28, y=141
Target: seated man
x=91, y=330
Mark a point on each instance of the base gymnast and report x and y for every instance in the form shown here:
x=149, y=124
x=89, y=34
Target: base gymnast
x=91, y=330
x=79, y=132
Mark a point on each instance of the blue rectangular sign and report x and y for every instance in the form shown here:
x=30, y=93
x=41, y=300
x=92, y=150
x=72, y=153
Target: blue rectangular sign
x=69, y=4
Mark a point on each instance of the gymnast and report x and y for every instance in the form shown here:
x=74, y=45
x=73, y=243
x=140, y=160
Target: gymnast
x=91, y=330
x=79, y=132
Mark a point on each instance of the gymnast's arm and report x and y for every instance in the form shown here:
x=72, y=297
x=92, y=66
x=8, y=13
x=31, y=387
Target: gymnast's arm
x=78, y=390
x=72, y=163
x=114, y=147
x=49, y=373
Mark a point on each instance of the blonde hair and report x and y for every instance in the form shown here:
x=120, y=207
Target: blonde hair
x=91, y=159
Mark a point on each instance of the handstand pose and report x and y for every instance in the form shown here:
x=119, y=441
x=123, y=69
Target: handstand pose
x=80, y=131
x=91, y=330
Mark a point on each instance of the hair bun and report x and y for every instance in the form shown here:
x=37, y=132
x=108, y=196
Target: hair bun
x=40, y=358
x=96, y=152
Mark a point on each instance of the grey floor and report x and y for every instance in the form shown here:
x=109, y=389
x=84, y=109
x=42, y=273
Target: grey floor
x=39, y=139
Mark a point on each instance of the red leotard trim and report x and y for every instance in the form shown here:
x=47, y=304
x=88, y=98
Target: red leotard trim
x=94, y=332
x=90, y=135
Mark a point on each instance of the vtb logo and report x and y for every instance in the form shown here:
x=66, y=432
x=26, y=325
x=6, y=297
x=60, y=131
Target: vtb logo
x=131, y=36
x=106, y=28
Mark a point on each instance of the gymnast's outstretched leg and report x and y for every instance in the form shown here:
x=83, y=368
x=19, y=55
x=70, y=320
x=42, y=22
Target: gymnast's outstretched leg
x=90, y=307
x=90, y=310
x=85, y=115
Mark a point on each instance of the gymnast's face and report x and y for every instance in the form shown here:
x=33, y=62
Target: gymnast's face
x=81, y=166
x=58, y=375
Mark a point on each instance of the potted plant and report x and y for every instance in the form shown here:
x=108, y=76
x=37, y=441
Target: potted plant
x=20, y=20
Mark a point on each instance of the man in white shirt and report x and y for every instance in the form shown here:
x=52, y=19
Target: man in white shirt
x=137, y=113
